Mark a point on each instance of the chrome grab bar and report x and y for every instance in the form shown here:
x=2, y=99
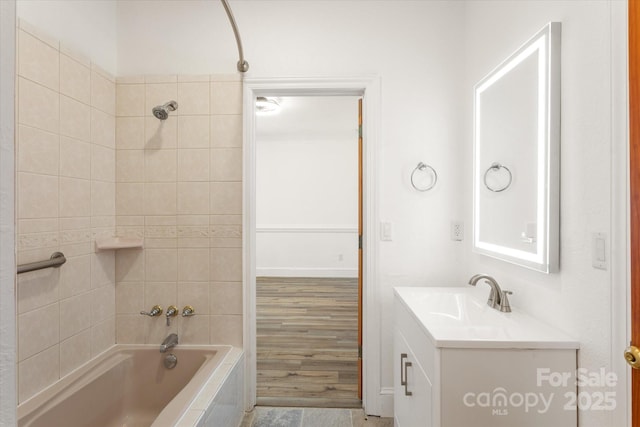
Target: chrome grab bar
x=56, y=260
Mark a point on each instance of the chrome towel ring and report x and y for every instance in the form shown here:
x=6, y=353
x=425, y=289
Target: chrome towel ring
x=495, y=168
x=422, y=167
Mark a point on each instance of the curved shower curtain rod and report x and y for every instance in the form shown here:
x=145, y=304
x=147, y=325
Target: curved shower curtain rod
x=243, y=66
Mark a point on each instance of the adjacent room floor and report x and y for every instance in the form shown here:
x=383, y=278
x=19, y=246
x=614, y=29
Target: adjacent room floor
x=307, y=342
x=311, y=417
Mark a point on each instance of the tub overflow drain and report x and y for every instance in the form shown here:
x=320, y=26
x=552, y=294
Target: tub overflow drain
x=170, y=361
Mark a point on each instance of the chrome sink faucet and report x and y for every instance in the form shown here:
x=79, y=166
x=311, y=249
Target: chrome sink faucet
x=169, y=342
x=498, y=298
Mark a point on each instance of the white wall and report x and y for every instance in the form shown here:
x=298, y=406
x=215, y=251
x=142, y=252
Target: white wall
x=579, y=298
x=86, y=27
x=307, y=207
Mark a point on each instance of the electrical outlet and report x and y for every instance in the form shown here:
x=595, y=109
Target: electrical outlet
x=457, y=231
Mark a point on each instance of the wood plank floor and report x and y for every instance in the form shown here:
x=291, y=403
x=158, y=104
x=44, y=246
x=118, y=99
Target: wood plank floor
x=307, y=341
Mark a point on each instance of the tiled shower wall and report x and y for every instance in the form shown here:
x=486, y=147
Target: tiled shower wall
x=93, y=162
x=179, y=185
x=65, y=200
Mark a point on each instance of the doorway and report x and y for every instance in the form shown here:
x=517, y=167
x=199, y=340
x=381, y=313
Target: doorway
x=307, y=247
x=374, y=399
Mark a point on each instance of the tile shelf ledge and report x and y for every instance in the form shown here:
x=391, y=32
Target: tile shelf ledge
x=114, y=243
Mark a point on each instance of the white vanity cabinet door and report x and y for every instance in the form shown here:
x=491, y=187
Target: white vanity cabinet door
x=412, y=388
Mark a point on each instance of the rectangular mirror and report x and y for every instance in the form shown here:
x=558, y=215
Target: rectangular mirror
x=516, y=156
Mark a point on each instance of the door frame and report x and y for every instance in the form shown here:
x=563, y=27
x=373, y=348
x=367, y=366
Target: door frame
x=8, y=302
x=369, y=89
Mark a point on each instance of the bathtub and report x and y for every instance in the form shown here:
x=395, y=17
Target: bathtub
x=128, y=386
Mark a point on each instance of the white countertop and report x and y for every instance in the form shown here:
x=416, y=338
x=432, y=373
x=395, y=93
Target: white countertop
x=458, y=317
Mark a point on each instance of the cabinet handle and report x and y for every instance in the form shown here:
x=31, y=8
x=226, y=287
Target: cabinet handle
x=403, y=372
x=406, y=380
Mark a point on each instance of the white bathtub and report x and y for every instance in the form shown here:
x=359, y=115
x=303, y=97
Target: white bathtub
x=129, y=386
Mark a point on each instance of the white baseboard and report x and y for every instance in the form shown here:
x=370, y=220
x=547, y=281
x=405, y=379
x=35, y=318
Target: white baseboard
x=306, y=272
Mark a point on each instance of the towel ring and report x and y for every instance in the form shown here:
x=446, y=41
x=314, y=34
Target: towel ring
x=424, y=168
x=495, y=167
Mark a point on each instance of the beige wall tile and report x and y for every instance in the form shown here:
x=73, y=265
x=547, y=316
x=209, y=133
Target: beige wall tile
x=193, y=98
x=160, y=165
x=195, y=294
x=226, y=329
x=182, y=78
x=160, y=78
x=130, y=198
x=38, y=61
x=75, y=315
x=103, y=267
x=75, y=79
x=130, y=265
x=130, y=79
x=161, y=265
x=38, y=106
x=157, y=329
x=75, y=351
x=37, y=372
x=103, y=336
x=129, y=166
x=75, y=197
x=193, y=330
x=131, y=328
x=193, y=131
x=103, y=128
x=130, y=100
x=160, y=199
x=226, y=131
x=38, y=151
x=37, y=196
x=226, y=97
x=129, y=297
x=193, y=265
x=75, y=55
x=75, y=158
x=75, y=119
x=193, y=165
x=37, y=330
x=103, y=93
x=159, y=94
x=160, y=134
x=226, y=298
x=226, y=264
x=226, y=164
x=103, y=198
x=37, y=289
x=75, y=276
x=226, y=198
x=103, y=163
x=130, y=133
x=103, y=304
x=193, y=198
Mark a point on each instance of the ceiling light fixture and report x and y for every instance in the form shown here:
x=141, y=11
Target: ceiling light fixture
x=266, y=105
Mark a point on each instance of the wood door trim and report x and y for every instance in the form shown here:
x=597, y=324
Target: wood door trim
x=634, y=182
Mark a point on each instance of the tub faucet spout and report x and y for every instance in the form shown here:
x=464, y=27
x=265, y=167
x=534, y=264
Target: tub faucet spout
x=168, y=343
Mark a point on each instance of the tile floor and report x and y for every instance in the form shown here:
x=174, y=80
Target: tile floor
x=263, y=416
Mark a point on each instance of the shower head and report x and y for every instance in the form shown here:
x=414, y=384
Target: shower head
x=162, y=111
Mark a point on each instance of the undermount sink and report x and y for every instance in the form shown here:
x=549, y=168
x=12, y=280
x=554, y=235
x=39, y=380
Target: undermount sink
x=459, y=317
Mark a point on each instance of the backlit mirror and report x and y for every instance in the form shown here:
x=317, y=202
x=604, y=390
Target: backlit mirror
x=516, y=155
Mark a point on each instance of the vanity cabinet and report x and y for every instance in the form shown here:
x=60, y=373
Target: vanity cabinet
x=483, y=382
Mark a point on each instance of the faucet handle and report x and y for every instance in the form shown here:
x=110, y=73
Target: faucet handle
x=505, y=307
x=172, y=311
x=188, y=311
x=156, y=310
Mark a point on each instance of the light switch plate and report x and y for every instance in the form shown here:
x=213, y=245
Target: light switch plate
x=599, y=247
